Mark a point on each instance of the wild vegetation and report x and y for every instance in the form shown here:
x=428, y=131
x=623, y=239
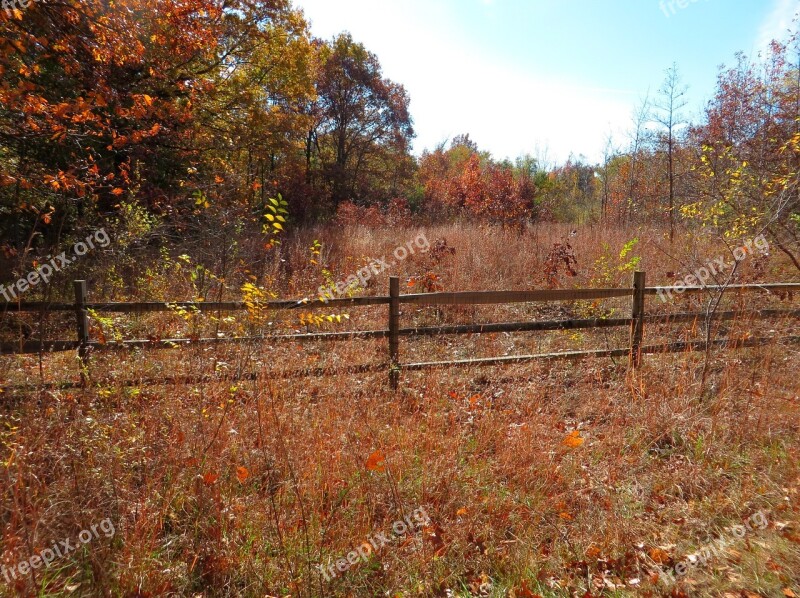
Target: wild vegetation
x=231, y=156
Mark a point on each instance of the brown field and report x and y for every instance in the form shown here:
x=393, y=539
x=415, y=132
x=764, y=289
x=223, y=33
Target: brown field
x=544, y=478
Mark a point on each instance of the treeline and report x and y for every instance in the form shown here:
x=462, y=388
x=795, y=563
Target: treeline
x=189, y=105
x=186, y=112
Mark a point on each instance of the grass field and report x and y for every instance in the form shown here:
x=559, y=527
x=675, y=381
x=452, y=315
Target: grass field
x=536, y=479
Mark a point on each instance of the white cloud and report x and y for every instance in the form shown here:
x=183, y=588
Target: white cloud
x=456, y=87
x=777, y=23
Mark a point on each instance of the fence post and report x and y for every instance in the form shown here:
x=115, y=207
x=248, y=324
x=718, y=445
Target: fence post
x=637, y=319
x=394, y=328
x=82, y=319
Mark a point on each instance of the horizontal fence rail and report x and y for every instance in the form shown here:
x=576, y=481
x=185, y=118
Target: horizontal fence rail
x=394, y=300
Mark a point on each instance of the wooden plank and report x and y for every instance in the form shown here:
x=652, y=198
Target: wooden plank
x=34, y=347
x=726, y=343
x=236, y=305
x=774, y=286
x=156, y=306
x=81, y=319
x=317, y=372
x=576, y=355
x=394, y=327
x=516, y=327
x=637, y=318
x=761, y=314
x=485, y=361
x=467, y=298
x=494, y=297
x=278, y=338
x=36, y=306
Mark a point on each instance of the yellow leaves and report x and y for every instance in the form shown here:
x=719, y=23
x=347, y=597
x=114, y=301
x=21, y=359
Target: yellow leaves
x=272, y=214
x=573, y=440
x=201, y=200
x=375, y=462
x=309, y=319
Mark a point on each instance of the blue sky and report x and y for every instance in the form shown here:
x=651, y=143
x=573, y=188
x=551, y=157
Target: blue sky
x=547, y=77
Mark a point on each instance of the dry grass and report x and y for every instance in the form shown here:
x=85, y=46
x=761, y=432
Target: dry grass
x=239, y=488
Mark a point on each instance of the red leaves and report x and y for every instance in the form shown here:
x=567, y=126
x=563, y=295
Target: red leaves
x=463, y=178
x=561, y=256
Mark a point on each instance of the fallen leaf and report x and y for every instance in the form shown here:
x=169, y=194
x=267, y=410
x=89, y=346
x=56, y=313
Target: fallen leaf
x=525, y=592
x=659, y=556
x=574, y=440
x=592, y=552
x=375, y=461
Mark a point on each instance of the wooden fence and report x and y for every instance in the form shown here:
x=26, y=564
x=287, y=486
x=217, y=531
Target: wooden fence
x=634, y=351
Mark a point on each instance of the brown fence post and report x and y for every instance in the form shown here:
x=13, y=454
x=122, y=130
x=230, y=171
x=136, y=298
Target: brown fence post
x=82, y=320
x=394, y=328
x=637, y=319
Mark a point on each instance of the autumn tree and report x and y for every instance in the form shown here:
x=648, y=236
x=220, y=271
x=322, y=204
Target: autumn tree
x=363, y=122
x=147, y=96
x=749, y=151
x=461, y=180
x=670, y=102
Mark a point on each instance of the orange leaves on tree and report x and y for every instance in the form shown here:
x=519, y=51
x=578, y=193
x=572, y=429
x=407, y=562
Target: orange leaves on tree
x=375, y=462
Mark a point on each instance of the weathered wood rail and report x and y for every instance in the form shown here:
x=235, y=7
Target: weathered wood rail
x=637, y=320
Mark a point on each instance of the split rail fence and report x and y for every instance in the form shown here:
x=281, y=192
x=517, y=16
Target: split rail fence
x=394, y=300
